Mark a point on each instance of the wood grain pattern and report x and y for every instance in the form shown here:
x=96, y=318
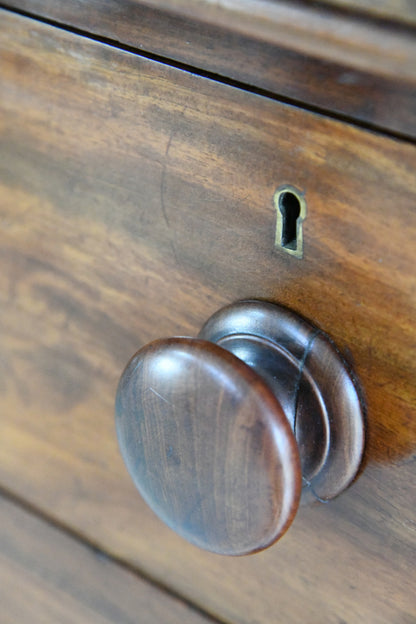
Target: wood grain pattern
x=135, y=201
x=394, y=10
x=208, y=446
x=48, y=577
x=311, y=31
x=329, y=82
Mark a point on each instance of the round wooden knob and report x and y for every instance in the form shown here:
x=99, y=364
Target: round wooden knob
x=219, y=432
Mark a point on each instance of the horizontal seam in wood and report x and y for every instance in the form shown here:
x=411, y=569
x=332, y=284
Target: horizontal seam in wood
x=221, y=79
x=83, y=540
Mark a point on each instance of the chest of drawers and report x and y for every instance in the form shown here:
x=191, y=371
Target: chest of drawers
x=136, y=198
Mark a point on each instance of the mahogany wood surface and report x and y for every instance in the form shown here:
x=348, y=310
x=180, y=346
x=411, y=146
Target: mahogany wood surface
x=135, y=201
x=332, y=82
x=48, y=577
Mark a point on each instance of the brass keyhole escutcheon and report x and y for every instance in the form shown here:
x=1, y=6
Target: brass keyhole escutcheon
x=290, y=208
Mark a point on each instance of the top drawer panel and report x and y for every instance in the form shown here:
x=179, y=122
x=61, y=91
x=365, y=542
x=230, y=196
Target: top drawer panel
x=337, y=61
x=135, y=200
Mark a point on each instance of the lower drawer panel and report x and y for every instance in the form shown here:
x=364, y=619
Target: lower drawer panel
x=135, y=200
x=63, y=580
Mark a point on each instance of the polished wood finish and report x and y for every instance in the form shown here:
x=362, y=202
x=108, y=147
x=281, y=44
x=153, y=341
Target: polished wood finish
x=208, y=446
x=332, y=83
x=48, y=576
x=209, y=429
x=135, y=201
x=317, y=389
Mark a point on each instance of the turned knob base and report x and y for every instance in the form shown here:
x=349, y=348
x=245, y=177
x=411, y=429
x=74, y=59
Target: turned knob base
x=313, y=383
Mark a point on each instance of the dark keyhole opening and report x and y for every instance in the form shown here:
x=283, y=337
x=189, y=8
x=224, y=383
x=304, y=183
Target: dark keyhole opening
x=289, y=206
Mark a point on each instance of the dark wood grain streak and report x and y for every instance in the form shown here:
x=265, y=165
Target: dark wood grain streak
x=329, y=83
x=48, y=577
x=135, y=201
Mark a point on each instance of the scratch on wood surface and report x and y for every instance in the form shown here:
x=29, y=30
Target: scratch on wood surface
x=163, y=178
x=150, y=389
x=164, y=168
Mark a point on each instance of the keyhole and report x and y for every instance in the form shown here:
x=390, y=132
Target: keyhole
x=289, y=206
x=291, y=211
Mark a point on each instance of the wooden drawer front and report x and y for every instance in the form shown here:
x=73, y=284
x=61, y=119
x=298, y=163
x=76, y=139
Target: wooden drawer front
x=347, y=62
x=65, y=581
x=136, y=200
